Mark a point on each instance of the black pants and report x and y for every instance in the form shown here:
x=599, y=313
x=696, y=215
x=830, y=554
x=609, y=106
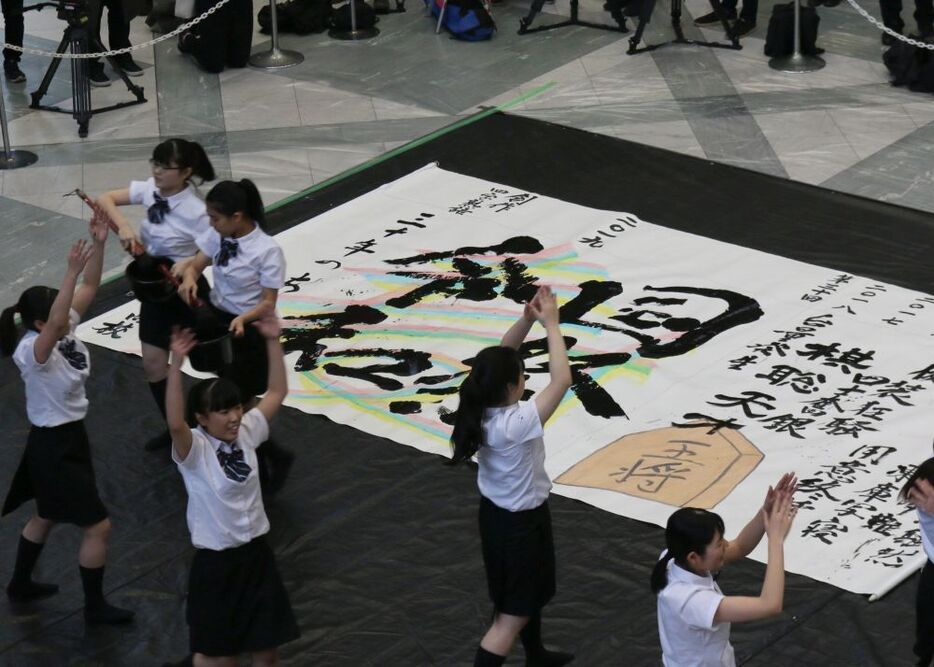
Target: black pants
x=118, y=27
x=891, y=11
x=13, y=27
x=224, y=38
x=924, y=606
x=747, y=13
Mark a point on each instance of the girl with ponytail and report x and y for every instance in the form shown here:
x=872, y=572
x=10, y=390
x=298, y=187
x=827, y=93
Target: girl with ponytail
x=56, y=469
x=249, y=271
x=175, y=217
x=506, y=435
x=918, y=491
x=694, y=616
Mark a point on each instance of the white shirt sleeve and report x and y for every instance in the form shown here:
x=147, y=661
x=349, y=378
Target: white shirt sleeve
x=197, y=444
x=524, y=424
x=272, y=268
x=138, y=190
x=209, y=243
x=256, y=429
x=699, y=607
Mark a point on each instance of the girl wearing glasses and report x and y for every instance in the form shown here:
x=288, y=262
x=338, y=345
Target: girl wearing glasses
x=175, y=217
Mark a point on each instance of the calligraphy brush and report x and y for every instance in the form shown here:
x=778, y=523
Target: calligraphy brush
x=205, y=321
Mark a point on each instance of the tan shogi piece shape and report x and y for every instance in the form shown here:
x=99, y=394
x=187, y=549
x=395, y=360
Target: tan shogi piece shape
x=682, y=467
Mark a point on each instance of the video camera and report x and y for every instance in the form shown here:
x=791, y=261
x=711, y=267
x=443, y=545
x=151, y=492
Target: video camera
x=75, y=12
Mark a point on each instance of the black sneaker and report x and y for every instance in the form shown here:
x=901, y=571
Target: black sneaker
x=12, y=72
x=97, y=77
x=186, y=42
x=129, y=66
x=743, y=27
x=32, y=590
x=107, y=614
x=710, y=19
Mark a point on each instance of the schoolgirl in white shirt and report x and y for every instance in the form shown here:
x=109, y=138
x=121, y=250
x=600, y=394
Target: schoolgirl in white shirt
x=694, y=616
x=175, y=218
x=249, y=271
x=236, y=600
x=923, y=476
x=56, y=468
x=505, y=433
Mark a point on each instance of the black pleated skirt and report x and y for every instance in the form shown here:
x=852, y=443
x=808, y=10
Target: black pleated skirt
x=157, y=319
x=250, y=367
x=519, y=555
x=56, y=470
x=237, y=602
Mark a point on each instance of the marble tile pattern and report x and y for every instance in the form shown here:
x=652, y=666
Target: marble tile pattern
x=843, y=127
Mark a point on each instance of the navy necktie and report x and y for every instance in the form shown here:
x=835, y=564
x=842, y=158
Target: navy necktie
x=233, y=464
x=157, y=212
x=228, y=249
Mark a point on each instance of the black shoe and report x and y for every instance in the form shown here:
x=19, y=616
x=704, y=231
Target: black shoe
x=108, y=615
x=129, y=66
x=97, y=77
x=710, y=19
x=186, y=42
x=12, y=72
x=184, y=662
x=33, y=590
x=548, y=658
x=743, y=27
x=162, y=442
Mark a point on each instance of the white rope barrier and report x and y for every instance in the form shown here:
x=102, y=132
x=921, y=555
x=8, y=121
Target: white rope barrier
x=117, y=52
x=888, y=31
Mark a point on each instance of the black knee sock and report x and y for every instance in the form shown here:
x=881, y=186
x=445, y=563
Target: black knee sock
x=158, y=394
x=486, y=659
x=535, y=652
x=92, y=579
x=27, y=554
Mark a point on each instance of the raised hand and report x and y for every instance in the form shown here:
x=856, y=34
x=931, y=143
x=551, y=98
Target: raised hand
x=79, y=255
x=182, y=342
x=779, y=519
x=98, y=225
x=787, y=484
x=545, y=306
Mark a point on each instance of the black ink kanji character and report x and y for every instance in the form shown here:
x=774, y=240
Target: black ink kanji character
x=745, y=400
x=847, y=426
x=882, y=491
x=592, y=241
x=802, y=382
x=652, y=475
x=820, y=406
x=849, y=310
x=889, y=557
x=116, y=329
x=816, y=488
x=899, y=391
x=830, y=355
x=860, y=510
x=741, y=362
x=698, y=420
x=303, y=333
x=923, y=375
x=787, y=424
x=767, y=349
x=910, y=538
x=360, y=246
x=883, y=524
x=336, y=264
x=872, y=410
x=825, y=530
x=292, y=283
x=875, y=453
x=406, y=364
x=900, y=473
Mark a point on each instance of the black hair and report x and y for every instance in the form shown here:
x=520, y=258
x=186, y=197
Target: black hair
x=34, y=305
x=689, y=530
x=211, y=395
x=492, y=370
x=924, y=471
x=185, y=154
x=229, y=197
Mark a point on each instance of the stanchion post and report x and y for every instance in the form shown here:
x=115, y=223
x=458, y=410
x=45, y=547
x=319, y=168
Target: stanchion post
x=12, y=159
x=797, y=61
x=354, y=32
x=275, y=58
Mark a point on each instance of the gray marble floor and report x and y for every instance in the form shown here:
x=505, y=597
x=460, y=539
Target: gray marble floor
x=843, y=127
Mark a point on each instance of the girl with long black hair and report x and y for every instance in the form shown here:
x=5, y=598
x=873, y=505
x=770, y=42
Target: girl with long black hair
x=175, y=218
x=56, y=468
x=506, y=435
x=911, y=492
x=694, y=616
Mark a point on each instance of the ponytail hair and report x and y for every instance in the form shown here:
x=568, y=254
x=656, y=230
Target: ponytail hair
x=186, y=155
x=211, y=395
x=689, y=530
x=34, y=305
x=487, y=385
x=923, y=471
x=229, y=197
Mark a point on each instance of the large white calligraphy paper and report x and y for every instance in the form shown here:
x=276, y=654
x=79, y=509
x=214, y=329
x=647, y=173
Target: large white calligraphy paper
x=702, y=370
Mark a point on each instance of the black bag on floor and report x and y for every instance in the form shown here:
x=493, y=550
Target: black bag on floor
x=910, y=66
x=780, y=39
x=297, y=16
x=366, y=17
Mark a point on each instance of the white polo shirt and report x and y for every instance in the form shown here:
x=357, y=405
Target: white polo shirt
x=176, y=236
x=55, y=390
x=224, y=513
x=238, y=286
x=512, y=458
x=927, y=533
x=686, y=607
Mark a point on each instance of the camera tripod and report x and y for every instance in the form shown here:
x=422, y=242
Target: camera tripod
x=648, y=6
x=78, y=39
x=525, y=22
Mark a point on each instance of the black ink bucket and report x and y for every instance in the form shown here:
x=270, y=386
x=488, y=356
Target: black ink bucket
x=213, y=352
x=147, y=280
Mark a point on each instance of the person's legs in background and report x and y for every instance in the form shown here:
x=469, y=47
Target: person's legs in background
x=13, y=34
